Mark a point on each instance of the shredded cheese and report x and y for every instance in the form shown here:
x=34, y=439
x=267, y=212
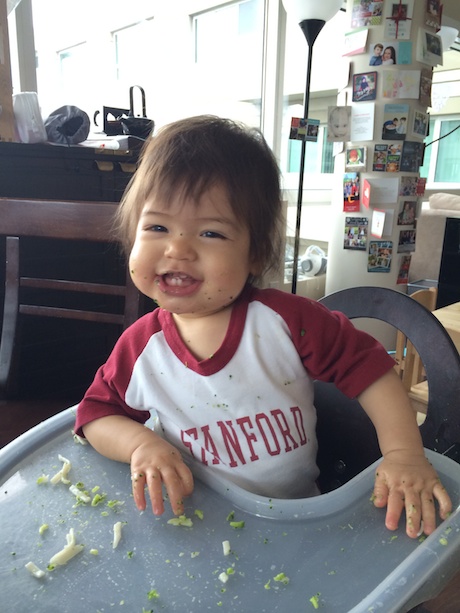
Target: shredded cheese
x=116, y=533
x=68, y=552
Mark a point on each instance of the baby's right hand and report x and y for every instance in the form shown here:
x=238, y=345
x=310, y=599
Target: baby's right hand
x=154, y=463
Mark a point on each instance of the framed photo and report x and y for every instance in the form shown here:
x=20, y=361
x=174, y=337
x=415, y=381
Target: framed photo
x=364, y=86
x=355, y=158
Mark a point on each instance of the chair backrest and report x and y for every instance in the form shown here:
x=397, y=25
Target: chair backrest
x=408, y=363
x=68, y=221
x=347, y=440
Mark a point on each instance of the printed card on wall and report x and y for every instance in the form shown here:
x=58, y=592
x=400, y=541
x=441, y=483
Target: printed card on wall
x=398, y=19
x=355, y=158
x=408, y=186
x=355, y=42
x=406, y=242
x=355, y=235
x=390, y=53
x=404, y=266
x=407, y=212
x=420, y=124
x=351, y=200
x=379, y=161
x=338, y=123
x=426, y=79
x=401, y=84
x=304, y=129
x=429, y=48
x=378, y=223
x=362, y=121
x=366, y=13
x=395, y=118
x=433, y=14
x=394, y=157
x=380, y=254
x=412, y=156
x=364, y=86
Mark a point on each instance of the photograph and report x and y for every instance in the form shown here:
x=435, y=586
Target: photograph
x=390, y=53
x=355, y=158
x=409, y=186
x=406, y=243
x=366, y=13
x=364, y=86
x=351, y=199
x=395, y=121
x=407, y=212
x=355, y=236
x=403, y=273
x=379, y=162
x=394, y=157
x=420, y=124
x=338, y=123
x=379, y=259
x=304, y=129
x=433, y=13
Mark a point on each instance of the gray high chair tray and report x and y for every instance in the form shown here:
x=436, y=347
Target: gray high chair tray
x=330, y=553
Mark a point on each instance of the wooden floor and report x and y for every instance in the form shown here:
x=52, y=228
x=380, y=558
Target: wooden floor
x=18, y=416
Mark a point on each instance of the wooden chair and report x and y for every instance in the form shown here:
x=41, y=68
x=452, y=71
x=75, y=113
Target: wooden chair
x=91, y=222
x=347, y=439
x=408, y=363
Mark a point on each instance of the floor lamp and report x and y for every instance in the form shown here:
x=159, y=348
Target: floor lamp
x=311, y=16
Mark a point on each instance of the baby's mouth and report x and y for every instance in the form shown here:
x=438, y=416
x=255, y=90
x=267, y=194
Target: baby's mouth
x=178, y=279
x=178, y=284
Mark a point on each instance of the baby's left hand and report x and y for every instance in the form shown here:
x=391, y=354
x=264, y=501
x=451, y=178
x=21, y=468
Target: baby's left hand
x=407, y=481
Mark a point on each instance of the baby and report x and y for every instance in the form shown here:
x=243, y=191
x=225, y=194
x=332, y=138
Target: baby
x=338, y=124
x=229, y=368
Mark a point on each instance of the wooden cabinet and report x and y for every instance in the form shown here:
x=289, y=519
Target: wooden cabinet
x=57, y=356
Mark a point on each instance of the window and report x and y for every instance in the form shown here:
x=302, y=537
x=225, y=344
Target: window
x=229, y=58
x=73, y=69
x=318, y=156
x=442, y=157
x=134, y=47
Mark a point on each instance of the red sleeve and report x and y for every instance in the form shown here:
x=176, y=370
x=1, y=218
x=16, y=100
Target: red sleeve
x=330, y=346
x=106, y=394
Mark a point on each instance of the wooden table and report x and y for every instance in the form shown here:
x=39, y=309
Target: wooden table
x=449, y=316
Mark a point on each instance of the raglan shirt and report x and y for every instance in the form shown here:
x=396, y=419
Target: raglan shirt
x=247, y=410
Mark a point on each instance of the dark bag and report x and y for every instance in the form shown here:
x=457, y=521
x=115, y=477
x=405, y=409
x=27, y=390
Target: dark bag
x=67, y=125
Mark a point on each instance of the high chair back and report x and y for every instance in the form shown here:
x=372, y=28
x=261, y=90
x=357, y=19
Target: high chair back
x=347, y=439
x=57, y=297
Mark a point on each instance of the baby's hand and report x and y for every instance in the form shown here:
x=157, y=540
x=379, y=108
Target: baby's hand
x=405, y=481
x=156, y=463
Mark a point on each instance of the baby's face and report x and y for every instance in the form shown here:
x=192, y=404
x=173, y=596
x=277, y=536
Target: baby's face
x=339, y=123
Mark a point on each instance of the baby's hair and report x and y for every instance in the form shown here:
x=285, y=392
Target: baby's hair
x=379, y=45
x=188, y=157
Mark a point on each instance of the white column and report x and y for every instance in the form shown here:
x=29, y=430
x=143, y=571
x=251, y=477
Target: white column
x=349, y=268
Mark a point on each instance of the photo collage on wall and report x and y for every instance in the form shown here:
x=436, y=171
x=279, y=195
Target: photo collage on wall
x=391, y=194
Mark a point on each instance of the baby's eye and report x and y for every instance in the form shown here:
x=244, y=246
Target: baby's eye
x=156, y=228
x=211, y=234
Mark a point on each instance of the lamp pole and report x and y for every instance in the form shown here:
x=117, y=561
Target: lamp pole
x=311, y=28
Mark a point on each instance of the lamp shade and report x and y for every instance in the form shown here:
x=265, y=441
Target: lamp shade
x=448, y=36
x=312, y=9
